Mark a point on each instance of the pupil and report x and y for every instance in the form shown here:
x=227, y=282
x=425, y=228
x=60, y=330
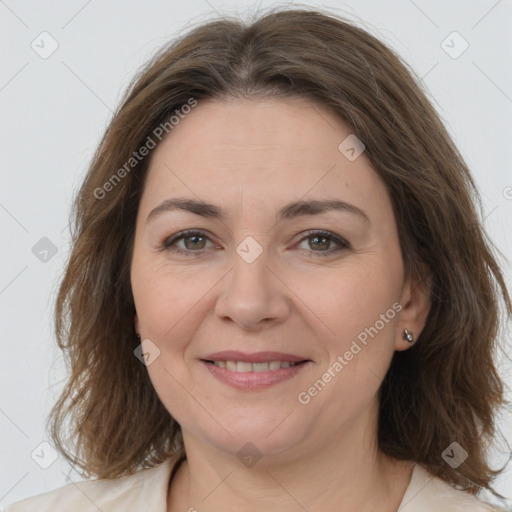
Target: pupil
x=320, y=238
x=192, y=238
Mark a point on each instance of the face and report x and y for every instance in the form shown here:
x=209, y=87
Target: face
x=295, y=260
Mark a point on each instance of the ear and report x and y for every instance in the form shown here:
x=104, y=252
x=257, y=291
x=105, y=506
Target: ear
x=415, y=301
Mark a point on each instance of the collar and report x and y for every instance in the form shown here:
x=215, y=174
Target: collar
x=426, y=493
x=148, y=490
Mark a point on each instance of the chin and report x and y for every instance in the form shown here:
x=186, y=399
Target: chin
x=266, y=434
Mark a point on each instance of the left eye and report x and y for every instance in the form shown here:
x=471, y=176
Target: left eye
x=323, y=239
x=194, y=242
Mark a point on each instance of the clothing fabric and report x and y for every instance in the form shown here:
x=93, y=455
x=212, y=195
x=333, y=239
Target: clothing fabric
x=146, y=491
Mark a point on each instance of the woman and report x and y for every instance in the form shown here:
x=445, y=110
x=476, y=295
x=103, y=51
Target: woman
x=280, y=295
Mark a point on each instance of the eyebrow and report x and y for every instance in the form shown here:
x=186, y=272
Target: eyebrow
x=289, y=211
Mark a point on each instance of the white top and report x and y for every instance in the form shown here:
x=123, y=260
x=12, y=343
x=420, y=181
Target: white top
x=146, y=491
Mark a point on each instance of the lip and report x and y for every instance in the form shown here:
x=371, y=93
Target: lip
x=253, y=380
x=255, y=357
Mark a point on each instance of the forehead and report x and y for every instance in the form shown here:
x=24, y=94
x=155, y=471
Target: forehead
x=277, y=150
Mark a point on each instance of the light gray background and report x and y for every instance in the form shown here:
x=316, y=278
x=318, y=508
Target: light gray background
x=54, y=111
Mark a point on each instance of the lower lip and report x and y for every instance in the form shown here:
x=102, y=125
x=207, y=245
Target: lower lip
x=254, y=380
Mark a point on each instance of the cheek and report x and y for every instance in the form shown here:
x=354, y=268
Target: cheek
x=167, y=305
x=361, y=345
x=157, y=304
x=351, y=299
x=168, y=302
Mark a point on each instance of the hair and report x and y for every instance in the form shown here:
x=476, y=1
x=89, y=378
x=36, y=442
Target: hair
x=109, y=421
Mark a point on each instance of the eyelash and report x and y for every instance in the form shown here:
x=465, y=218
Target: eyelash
x=169, y=242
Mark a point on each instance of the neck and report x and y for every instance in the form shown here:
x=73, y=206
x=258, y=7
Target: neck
x=349, y=473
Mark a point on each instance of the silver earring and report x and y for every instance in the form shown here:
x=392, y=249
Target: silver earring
x=138, y=335
x=406, y=335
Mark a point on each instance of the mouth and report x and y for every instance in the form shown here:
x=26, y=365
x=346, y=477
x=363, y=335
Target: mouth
x=253, y=371
x=244, y=366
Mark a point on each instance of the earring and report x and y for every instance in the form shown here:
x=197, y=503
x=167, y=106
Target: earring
x=406, y=335
x=138, y=335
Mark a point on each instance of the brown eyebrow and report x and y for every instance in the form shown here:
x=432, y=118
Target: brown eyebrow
x=289, y=211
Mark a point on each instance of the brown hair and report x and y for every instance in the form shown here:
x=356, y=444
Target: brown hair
x=445, y=388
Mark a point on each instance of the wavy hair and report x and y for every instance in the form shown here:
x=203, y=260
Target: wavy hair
x=109, y=420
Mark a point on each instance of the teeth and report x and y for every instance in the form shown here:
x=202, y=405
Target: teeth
x=230, y=365
x=243, y=366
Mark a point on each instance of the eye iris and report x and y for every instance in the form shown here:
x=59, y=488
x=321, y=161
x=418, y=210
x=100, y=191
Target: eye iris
x=325, y=239
x=193, y=237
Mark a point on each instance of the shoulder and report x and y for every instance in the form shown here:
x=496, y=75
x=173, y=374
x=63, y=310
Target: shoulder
x=143, y=490
x=427, y=492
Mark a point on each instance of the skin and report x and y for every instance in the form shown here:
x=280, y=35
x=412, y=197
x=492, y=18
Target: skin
x=251, y=158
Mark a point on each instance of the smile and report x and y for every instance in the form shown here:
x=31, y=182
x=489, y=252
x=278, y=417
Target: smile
x=244, y=375
x=243, y=366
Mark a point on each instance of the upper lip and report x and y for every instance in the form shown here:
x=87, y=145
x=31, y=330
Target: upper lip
x=255, y=357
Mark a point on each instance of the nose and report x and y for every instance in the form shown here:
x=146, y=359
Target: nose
x=252, y=295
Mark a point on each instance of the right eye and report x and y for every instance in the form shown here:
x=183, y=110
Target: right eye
x=198, y=239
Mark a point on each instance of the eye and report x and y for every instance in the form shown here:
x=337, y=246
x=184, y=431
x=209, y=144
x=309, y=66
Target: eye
x=324, y=239
x=195, y=242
